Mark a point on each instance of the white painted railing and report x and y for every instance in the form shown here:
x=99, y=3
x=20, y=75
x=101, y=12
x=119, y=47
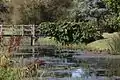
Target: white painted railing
x=17, y=30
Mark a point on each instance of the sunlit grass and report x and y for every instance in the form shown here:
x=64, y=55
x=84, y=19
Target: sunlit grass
x=103, y=44
x=99, y=45
x=51, y=41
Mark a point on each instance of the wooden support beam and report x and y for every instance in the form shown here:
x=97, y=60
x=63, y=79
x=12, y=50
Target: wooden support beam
x=22, y=30
x=33, y=39
x=7, y=35
x=1, y=30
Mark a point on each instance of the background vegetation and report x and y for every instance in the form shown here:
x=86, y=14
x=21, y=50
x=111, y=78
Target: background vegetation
x=68, y=22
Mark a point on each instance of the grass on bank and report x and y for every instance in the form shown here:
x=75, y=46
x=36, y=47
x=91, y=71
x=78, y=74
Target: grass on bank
x=96, y=45
x=110, y=41
x=51, y=41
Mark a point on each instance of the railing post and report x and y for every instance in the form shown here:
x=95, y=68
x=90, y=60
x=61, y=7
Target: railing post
x=1, y=30
x=33, y=39
x=33, y=34
x=1, y=33
x=22, y=30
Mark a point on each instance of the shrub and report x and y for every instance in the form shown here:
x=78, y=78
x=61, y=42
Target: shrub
x=71, y=32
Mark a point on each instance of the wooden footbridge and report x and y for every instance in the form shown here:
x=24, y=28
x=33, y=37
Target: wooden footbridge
x=31, y=31
x=20, y=30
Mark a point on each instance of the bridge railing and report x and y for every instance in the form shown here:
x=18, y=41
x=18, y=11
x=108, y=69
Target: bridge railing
x=18, y=30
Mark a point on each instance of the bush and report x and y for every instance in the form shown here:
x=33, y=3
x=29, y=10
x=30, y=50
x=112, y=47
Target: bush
x=71, y=32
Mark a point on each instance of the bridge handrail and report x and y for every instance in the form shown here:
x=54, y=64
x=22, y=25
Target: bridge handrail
x=18, y=28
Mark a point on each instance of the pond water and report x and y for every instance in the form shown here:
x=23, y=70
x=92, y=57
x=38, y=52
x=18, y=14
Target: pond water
x=91, y=69
x=67, y=67
x=81, y=74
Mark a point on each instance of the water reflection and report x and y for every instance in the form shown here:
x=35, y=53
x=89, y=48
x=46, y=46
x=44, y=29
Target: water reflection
x=78, y=73
x=82, y=74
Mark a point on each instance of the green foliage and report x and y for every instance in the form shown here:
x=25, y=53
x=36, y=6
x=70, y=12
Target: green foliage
x=84, y=10
x=114, y=5
x=112, y=24
x=8, y=74
x=37, y=11
x=113, y=18
x=105, y=14
x=30, y=12
x=71, y=32
x=5, y=12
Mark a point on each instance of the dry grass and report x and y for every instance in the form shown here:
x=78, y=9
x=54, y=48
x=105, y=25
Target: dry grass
x=103, y=44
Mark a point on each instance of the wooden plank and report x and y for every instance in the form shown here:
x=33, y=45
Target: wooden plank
x=29, y=35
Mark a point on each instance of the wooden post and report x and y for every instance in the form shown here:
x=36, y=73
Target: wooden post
x=33, y=30
x=1, y=33
x=1, y=29
x=33, y=39
x=22, y=30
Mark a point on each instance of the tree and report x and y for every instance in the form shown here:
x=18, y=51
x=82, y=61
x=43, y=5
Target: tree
x=5, y=11
x=113, y=19
x=89, y=10
x=104, y=14
x=114, y=6
x=37, y=11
